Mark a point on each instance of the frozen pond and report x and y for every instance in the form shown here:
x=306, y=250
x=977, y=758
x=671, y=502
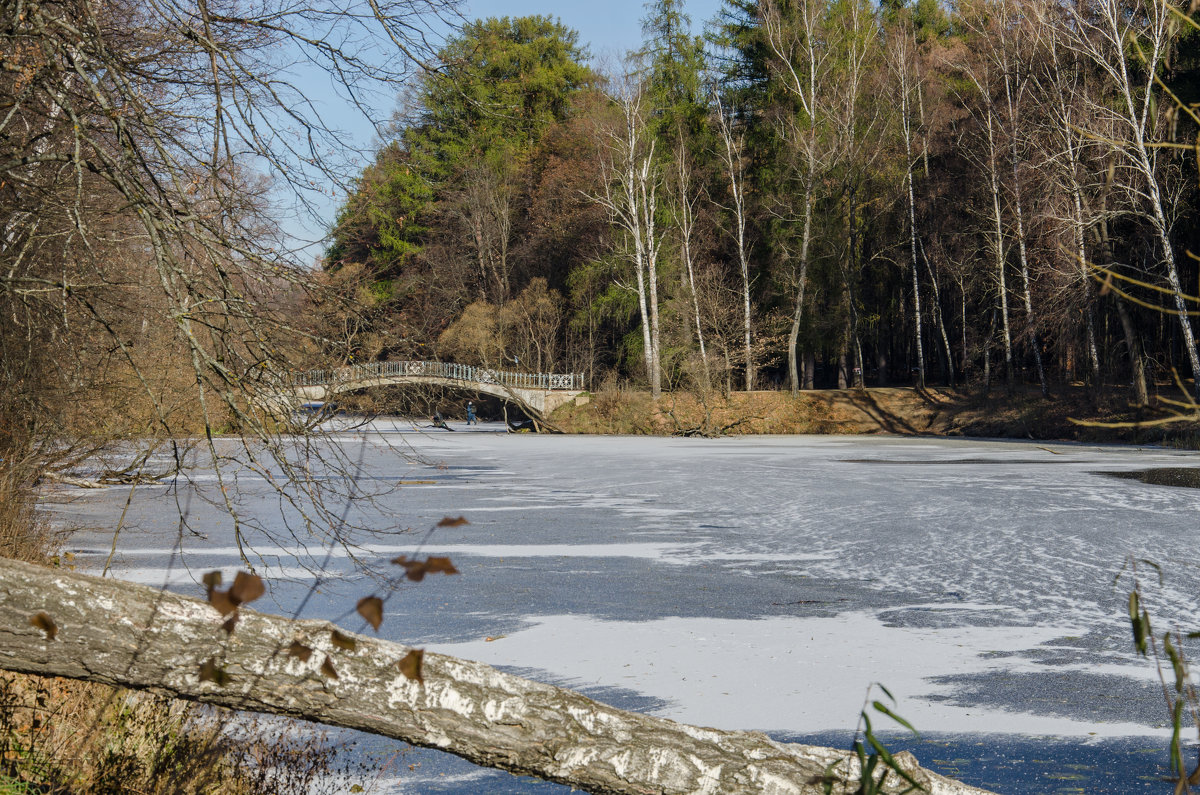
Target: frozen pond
x=745, y=583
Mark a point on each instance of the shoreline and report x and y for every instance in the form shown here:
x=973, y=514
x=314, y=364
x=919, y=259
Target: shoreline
x=1069, y=415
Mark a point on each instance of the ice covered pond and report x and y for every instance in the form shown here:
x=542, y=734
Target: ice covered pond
x=749, y=582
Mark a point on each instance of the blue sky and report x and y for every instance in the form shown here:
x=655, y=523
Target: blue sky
x=609, y=27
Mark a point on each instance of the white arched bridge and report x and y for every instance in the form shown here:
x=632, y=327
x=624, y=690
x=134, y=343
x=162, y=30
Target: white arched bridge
x=542, y=392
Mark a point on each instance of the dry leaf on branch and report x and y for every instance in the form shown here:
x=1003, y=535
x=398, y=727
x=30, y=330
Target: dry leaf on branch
x=410, y=664
x=416, y=570
x=299, y=651
x=371, y=609
x=246, y=588
x=45, y=623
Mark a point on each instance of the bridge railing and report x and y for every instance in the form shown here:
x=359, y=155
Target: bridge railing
x=448, y=370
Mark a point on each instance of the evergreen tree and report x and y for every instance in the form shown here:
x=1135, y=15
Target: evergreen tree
x=675, y=66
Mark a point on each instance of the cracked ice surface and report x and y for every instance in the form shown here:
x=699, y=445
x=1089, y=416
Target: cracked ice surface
x=754, y=582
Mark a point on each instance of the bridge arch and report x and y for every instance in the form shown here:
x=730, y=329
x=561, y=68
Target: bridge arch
x=539, y=392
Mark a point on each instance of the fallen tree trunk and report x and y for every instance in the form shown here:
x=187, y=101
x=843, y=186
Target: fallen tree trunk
x=60, y=623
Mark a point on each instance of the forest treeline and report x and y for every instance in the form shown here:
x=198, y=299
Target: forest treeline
x=812, y=193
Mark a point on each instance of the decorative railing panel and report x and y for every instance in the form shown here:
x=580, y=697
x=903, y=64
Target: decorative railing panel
x=454, y=372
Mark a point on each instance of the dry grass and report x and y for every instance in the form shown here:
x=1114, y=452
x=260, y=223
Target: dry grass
x=22, y=536
x=896, y=410
x=62, y=736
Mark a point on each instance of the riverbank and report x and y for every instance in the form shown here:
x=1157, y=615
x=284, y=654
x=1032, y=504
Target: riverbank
x=1069, y=415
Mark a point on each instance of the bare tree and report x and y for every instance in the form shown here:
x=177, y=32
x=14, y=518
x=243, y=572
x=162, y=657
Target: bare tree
x=1062, y=84
x=733, y=158
x=1015, y=75
x=980, y=74
x=903, y=63
x=630, y=179
x=483, y=207
x=137, y=217
x=685, y=198
x=1109, y=35
x=792, y=34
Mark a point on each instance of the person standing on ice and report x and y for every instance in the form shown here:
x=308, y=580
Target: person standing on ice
x=471, y=414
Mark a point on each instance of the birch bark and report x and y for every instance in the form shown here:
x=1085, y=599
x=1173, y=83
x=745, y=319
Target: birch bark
x=128, y=635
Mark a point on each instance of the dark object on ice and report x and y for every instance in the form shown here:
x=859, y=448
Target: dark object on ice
x=438, y=422
x=1188, y=477
x=318, y=410
x=522, y=425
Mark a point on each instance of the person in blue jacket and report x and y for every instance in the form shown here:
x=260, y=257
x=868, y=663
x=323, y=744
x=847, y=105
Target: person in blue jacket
x=471, y=414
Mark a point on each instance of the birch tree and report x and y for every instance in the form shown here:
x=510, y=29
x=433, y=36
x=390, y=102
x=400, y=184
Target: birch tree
x=630, y=178
x=902, y=62
x=1015, y=78
x=1127, y=41
x=686, y=196
x=733, y=159
x=858, y=147
x=980, y=75
x=792, y=34
x=1062, y=84
x=674, y=69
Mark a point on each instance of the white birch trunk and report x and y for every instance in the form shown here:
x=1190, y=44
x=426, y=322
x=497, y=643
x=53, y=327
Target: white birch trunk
x=912, y=228
x=639, y=264
x=802, y=282
x=648, y=191
x=998, y=219
x=1013, y=121
x=122, y=634
x=733, y=168
x=802, y=85
x=630, y=185
x=683, y=181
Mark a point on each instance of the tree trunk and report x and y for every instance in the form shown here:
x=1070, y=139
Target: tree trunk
x=1137, y=368
x=1086, y=286
x=1137, y=363
x=906, y=122
x=649, y=208
x=987, y=353
x=59, y=623
x=1069, y=133
x=1014, y=126
x=734, y=168
x=998, y=219
x=797, y=315
x=938, y=320
x=1102, y=36
x=686, y=221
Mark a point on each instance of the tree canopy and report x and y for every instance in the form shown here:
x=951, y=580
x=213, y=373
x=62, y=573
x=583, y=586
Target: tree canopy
x=902, y=192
